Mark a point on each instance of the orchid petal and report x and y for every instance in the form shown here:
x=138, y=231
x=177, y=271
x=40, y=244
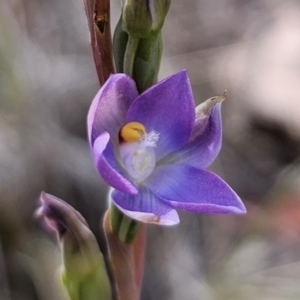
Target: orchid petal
x=145, y=207
x=60, y=216
x=206, y=139
x=168, y=109
x=194, y=190
x=109, y=107
x=108, y=166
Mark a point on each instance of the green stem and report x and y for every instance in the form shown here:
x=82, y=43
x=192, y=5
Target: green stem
x=128, y=230
x=124, y=227
x=129, y=56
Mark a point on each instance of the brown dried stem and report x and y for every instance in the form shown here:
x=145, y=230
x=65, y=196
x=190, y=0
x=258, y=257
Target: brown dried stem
x=98, y=17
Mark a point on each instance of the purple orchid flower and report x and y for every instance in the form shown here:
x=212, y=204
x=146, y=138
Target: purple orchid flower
x=153, y=149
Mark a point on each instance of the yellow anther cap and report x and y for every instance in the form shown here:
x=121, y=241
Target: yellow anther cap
x=132, y=131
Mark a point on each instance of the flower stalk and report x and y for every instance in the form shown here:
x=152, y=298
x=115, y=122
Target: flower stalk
x=98, y=18
x=126, y=261
x=124, y=227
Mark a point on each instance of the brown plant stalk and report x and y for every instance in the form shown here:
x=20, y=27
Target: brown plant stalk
x=98, y=17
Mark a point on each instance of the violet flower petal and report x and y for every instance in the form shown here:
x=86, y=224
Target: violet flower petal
x=145, y=207
x=59, y=215
x=108, y=166
x=194, y=190
x=109, y=107
x=205, y=143
x=167, y=108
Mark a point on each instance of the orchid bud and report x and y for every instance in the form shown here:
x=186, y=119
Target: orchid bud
x=144, y=17
x=138, y=42
x=139, y=58
x=84, y=274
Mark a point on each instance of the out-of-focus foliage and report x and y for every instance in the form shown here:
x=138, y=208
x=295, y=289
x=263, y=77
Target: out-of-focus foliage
x=47, y=82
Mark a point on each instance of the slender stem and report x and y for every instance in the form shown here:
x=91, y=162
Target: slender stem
x=116, y=217
x=123, y=260
x=124, y=228
x=98, y=17
x=129, y=57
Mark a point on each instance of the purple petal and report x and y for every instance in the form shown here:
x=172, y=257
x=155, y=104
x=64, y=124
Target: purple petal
x=109, y=167
x=168, y=108
x=206, y=140
x=145, y=207
x=59, y=215
x=109, y=107
x=194, y=190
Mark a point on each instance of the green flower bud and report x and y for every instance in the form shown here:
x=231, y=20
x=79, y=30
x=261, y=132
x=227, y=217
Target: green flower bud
x=84, y=274
x=143, y=17
x=139, y=58
x=138, y=40
x=147, y=61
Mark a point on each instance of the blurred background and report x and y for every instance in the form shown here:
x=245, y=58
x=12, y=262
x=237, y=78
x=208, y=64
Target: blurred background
x=47, y=82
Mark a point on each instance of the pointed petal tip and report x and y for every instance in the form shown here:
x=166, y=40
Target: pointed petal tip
x=241, y=210
x=43, y=196
x=217, y=99
x=48, y=200
x=152, y=109
x=181, y=73
x=194, y=190
x=43, y=202
x=238, y=207
x=203, y=110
